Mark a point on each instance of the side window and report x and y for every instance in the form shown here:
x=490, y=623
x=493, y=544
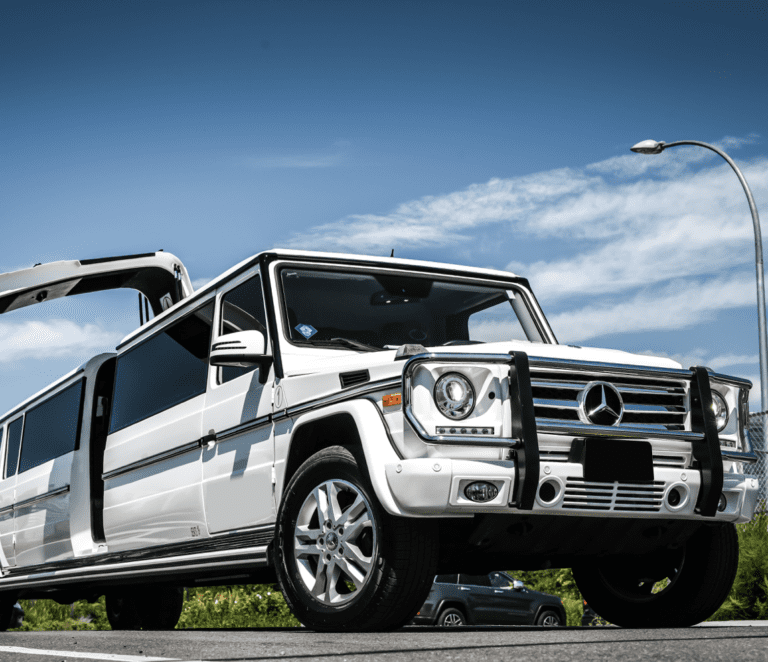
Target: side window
x=242, y=309
x=164, y=371
x=500, y=581
x=475, y=580
x=13, y=445
x=446, y=579
x=52, y=428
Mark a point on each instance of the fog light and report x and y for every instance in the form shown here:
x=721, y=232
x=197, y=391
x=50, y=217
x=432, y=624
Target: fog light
x=547, y=492
x=722, y=503
x=674, y=497
x=480, y=492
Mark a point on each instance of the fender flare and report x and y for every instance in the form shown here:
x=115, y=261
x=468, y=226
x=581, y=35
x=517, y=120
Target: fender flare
x=374, y=439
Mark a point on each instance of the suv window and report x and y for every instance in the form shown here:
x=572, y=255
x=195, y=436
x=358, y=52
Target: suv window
x=500, y=580
x=52, y=428
x=390, y=310
x=475, y=580
x=164, y=371
x=14, y=442
x=446, y=579
x=242, y=309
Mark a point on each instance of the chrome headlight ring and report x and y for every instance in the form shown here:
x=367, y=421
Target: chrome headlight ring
x=454, y=396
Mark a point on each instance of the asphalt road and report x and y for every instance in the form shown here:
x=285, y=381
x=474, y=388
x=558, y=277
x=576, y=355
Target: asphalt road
x=472, y=644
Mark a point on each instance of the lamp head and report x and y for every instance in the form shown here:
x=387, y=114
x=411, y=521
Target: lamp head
x=649, y=147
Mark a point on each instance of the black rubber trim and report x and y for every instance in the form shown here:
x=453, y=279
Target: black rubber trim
x=265, y=259
x=707, y=451
x=117, y=258
x=524, y=428
x=183, y=449
x=41, y=497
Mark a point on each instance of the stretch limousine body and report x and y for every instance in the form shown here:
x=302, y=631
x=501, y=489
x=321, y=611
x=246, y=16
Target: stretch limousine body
x=350, y=426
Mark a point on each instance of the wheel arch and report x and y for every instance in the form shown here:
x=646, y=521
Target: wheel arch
x=354, y=424
x=452, y=603
x=558, y=609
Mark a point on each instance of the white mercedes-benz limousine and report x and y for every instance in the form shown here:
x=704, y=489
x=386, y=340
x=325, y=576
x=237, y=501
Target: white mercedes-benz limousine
x=351, y=426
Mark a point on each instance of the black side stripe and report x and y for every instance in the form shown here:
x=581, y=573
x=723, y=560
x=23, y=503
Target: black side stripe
x=41, y=497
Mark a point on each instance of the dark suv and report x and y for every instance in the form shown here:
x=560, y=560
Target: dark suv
x=492, y=599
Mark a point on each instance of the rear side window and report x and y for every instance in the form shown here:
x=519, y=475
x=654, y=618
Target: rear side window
x=14, y=442
x=446, y=579
x=242, y=309
x=52, y=428
x=164, y=371
x=476, y=580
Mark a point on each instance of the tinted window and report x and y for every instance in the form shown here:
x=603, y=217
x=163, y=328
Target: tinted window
x=242, y=309
x=51, y=429
x=167, y=369
x=500, y=580
x=476, y=580
x=14, y=442
x=446, y=579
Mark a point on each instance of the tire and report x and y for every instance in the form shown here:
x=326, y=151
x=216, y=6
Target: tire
x=148, y=608
x=700, y=576
x=549, y=618
x=372, y=574
x=451, y=618
x=123, y=609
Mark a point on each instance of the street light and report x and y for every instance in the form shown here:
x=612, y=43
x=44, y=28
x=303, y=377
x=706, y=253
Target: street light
x=655, y=147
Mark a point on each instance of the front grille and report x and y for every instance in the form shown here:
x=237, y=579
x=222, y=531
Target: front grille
x=666, y=461
x=623, y=497
x=649, y=401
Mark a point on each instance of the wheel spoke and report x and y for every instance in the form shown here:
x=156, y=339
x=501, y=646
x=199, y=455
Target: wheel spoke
x=334, y=509
x=352, y=572
x=307, y=534
x=321, y=502
x=319, y=588
x=303, y=551
x=357, y=507
x=353, y=554
x=353, y=530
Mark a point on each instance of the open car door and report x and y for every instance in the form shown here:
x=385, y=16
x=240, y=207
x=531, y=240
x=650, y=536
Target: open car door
x=160, y=277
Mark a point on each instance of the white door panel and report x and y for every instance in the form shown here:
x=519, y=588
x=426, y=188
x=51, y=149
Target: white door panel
x=155, y=505
x=237, y=471
x=7, y=498
x=42, y=512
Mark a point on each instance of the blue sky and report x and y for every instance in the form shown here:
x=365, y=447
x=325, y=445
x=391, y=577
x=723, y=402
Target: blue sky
x=485, y=133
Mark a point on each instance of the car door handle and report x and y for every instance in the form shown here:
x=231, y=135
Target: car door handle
x=209, y=440
x=498, y=590
x=463, y=588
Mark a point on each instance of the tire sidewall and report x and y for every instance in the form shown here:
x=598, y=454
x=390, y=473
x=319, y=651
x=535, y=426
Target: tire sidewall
x=335, y=463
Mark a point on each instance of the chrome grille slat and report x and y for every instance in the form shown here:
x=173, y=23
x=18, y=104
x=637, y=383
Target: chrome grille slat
x=651, y=401
x=629, y=497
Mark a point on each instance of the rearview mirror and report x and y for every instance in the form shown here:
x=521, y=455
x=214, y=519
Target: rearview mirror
x=242, y=349
x=517, y=585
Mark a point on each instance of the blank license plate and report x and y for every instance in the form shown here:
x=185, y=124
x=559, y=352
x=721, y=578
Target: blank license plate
x=609, y=460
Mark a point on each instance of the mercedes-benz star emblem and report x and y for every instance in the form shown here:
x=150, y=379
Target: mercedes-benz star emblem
x=600, y=404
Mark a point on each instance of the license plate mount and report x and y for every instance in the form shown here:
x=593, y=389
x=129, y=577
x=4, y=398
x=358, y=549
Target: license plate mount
x=618, y=460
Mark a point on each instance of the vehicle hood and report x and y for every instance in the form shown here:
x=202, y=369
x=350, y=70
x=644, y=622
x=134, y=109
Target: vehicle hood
x=384, y=364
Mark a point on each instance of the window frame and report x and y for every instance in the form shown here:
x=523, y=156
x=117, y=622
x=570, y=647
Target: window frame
x=199, y=305
x=5, y=453
x=82, y=383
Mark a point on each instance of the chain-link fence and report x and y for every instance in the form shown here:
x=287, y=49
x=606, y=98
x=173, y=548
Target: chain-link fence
x=756, y=428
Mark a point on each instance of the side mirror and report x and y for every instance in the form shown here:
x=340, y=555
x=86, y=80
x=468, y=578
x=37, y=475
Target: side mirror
x=242, y=349
x=517, y=585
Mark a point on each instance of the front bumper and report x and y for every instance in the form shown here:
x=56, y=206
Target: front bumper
x=435, y=486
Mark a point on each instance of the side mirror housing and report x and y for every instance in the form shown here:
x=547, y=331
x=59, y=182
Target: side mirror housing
x=517, y=585
x=242, y=349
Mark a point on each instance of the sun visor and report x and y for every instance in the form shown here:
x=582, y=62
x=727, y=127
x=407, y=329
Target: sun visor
x=158, y=276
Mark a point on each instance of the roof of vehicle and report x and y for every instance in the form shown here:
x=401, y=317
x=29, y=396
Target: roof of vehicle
x=153, y=274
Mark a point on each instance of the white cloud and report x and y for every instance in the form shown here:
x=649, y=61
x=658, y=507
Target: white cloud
x=54, y=339
x=326, y=159
x=678, y=305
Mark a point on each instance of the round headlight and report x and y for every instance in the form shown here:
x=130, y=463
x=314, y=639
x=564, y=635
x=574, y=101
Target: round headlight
x=454, y=396
x=721, y=410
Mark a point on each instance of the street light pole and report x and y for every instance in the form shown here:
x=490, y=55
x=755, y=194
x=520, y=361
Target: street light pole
x=654, y=147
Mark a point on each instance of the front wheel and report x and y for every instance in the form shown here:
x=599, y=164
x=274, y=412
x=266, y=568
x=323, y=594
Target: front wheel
x=342, y=562
x=673, y=588
x=549, y=618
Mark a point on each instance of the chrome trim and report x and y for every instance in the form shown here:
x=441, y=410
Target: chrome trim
x=7, y=509
x=41, y=497
x=351, y=394
x=607, y=368
x=750, y=457
x=556, y=426
x=729, y=380
x=262, y=421
x=556, y=404
x=634, y=388
x=453, y=440
x=152, y=459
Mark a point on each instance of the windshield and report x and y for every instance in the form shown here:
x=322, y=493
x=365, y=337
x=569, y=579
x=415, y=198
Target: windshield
x=378, y=311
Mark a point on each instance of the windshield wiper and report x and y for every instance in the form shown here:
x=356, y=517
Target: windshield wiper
x=345, y=342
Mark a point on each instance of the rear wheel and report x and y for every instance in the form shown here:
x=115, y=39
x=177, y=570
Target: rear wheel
x=674, y=588
x=6, y=611
x=549, y=618
x=343, y=563
x=148, y=608
x=451, y=618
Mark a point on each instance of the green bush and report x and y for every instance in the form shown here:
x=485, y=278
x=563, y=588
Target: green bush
x=253, y=606
x=748, y=599
x=50, y=615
